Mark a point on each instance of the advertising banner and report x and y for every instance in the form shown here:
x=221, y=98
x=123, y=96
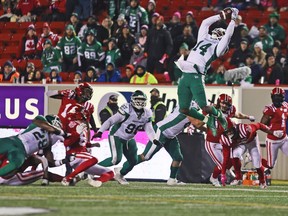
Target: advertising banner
x=20, y=104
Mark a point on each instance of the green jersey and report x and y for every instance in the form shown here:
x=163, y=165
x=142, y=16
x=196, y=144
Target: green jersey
x=69, y=47
x=136, y=17
x=91, y=52
x=50, y=57
x=112, y=56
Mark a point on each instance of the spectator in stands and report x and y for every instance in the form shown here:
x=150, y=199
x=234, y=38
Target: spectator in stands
x=29, y=78
x=175, y=26
x=237, y=32
x=186, y=37
x=77, y=77
x=216, y=77
x=54, y=76
x=47, y=34
x=274, y=29
x=142, y=76
x=110, y=109
x=75, y=22
x=272, y=71
x=68, y=46
x=113, y=54
x=116, y=7
x=138, y=57
x=110, y=75
x=276, y=51
x=90, y=53
x=174, y=72
x=117, y=26
x=151, y=8
x=239, y=55
x=9, y=73
x=265, y=38
x=125, y=43
x=129, y=70
x=154, y=18
x=84, y=8
x=244, y=34
x=29, y=43
x=50, y=57
x=91, y=75
x=107, y=23
x=70, y=6
x=58, y=10
x=38, y=76
x=92, y=24
x=256, y=69
x=191, y=22
x=143, y=35
x=159, y=46
x=259, y=54
x=28, y=8
x=136, y=16
x=8, y=16
x=30, y=68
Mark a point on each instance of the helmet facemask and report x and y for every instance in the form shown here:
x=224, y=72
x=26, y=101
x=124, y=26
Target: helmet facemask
x=218, y=33
x=277, y=100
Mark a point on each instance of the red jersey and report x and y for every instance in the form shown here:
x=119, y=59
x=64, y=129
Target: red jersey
x=278, y=119
x=247, y=132
x=53, y=37
x=230, y=113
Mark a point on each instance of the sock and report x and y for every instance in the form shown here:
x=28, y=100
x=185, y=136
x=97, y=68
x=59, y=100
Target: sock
x=195, y=114
x=126, y=166
x=237, y=165
x=82, y=167
x=216, y=172
x=265, y=163
x=260, y=172
x=173, y=172
x=107, y=162
x=106, y=176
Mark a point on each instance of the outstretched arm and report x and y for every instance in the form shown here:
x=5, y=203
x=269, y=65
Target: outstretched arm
x=222, y=46
x=148, y=127
x=204, y=28
x=118, y=117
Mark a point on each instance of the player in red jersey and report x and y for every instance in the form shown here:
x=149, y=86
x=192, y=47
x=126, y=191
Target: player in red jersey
x=242, y=137
x=212, y=143
x=275, y=117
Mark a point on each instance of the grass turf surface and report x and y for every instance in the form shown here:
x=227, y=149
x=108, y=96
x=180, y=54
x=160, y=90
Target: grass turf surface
x=146, y=198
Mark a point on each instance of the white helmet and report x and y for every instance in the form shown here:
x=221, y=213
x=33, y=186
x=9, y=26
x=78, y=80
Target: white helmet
x=138, y=100
x=218, y=33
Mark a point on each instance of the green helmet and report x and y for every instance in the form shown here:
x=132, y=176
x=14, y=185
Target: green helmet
x=54, y=120
x=138, y=99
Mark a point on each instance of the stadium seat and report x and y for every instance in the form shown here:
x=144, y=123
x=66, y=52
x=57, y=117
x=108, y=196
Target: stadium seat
x=57, y=27
x=11, y=52
x=16, y=39
x=4, y=39
x=37, y=63
x=10, y=27
x=20, y=65
x=65, y=76
x=2, y=61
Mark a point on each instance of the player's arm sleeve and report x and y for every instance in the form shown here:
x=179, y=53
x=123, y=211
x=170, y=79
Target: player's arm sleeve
x=204, y=28
x=240, y=115
x=267, y=113
x=160, y=113
x=263, y=128
x=225, y=40
x=118, y=117
x=148, y=127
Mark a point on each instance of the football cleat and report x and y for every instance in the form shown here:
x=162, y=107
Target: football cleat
x=236, y=182
x=120, y=178
x=215, y=182
x=211, y=125
x=262, y=185
x=94, y=183
x=173, y=181
x=67, y=182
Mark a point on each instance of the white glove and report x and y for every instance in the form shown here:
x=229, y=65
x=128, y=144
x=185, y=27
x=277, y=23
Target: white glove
x=190, y=129
x=252, y=118
x=234, y=14
x=278, y=133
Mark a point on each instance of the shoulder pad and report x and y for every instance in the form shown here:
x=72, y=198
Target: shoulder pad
x=124, y=109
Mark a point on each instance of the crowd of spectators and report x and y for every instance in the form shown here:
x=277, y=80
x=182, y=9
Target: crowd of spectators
x=135, y=43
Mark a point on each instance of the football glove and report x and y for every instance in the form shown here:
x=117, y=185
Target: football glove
x=97, y=135
x=157, y=142
x=278, y=133
x=234, y=14
x=252, y=118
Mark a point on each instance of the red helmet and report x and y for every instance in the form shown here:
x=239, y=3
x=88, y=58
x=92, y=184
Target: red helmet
x=84, y=91
x=278, y=91
x=224, y=98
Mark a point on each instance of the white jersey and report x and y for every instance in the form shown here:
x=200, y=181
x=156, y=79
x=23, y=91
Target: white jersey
x=35, y=138
x=133, y=122
x=207, y=49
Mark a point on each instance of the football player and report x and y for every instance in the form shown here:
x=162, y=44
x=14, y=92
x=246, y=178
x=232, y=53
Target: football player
x=212, y=143
x=275, y=117
x=242, y=137
x=194, y=68
x=40, y=134
x=166, y=132
x=124, y=125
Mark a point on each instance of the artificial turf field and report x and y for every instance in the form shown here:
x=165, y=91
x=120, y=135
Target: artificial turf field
x=146, y=198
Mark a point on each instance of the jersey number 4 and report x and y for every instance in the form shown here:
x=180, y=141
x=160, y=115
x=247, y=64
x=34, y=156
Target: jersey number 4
x=203, y=48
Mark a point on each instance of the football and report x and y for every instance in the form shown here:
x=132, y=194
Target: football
x=226, y=13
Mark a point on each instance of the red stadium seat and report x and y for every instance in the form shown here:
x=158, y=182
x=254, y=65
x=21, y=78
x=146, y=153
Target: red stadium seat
x=2, y=61
x=10, y=27
x=37, y=63
x=4, y=39
x=19, y=65
x=16, y=39
x=57, y=27
x=65, y=76
x=11, y=52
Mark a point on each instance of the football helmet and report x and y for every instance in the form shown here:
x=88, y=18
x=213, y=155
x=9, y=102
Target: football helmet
x=225, y=99
x=54, y=120
x=277, y=96
x=218, y=33
x=84, y=91
x=138, y=100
